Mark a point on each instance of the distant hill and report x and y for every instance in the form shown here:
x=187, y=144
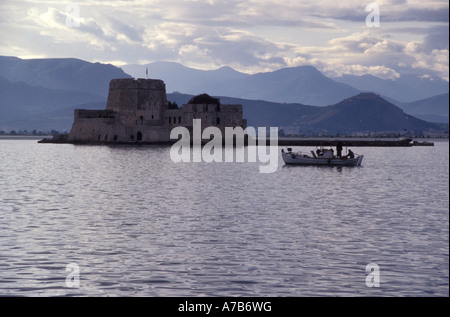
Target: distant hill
x=187, y=80
x=42, y=94
x=303, y=84
x=36, y=88
x=407, y=88
x=433, y=109
x=21, y=102
x=365, y=112
x=61, y=73
x=260, y=113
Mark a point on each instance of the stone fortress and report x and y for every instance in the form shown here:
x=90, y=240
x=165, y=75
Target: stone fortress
x=137, y=111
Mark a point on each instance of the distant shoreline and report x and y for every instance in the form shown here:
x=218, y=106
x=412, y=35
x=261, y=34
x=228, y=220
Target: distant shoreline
x=284, y=141
x=23, y=137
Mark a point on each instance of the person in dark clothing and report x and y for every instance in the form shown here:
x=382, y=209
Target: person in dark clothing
x=339, y=149
x=351, y=154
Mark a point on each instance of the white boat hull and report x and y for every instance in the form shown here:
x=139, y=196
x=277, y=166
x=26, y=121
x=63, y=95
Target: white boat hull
x=293, y=158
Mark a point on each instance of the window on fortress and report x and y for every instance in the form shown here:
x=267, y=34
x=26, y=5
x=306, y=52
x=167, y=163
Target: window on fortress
x=179, y=120
x=174, y=120
x=115, y=138
x=132, y=137
x=141, y=119
x=218, y=121
x=99, y=137
x=139, y=136
x=170, y=120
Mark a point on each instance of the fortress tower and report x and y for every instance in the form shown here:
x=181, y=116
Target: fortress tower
x=141, y=101
x=137, y=111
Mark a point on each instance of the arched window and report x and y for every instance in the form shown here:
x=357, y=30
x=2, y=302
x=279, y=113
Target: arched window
x=115, y=138
x=139, y=136
x=218, y=121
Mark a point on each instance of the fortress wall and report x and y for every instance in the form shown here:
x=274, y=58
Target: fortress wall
x=132, y=93
x=89, y=129
x=156, y=134
x=213, y=115
x=175, y=117
x=232, y=116
x=96, y=130
x=137, y=111
x=86, y=114
x=138, y=100
x=134, y=134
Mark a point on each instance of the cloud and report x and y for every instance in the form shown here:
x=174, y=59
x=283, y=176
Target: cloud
x=437, y=38
x=365, y=44
x=390, y=10
x=201, y=45
x=250, y=36
x=436, y=60
x=376, y=54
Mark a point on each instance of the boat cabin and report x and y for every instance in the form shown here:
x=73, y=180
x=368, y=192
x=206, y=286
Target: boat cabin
x=325, y=153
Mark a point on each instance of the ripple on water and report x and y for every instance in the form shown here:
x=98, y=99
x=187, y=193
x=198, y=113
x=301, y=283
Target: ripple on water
x=137, y=224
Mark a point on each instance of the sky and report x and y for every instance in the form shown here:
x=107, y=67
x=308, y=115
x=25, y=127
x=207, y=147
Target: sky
x=336, y=37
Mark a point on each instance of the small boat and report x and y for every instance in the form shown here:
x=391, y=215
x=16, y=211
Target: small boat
x=321, y=157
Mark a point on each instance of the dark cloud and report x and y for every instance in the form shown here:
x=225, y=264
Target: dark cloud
x=437, y=38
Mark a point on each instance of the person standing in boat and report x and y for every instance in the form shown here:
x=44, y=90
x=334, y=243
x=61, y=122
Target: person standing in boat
x=339, y=149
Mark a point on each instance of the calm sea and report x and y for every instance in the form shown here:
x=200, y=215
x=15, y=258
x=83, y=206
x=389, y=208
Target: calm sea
x=127, y=221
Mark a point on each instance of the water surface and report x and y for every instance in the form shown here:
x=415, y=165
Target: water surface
x=138, y=224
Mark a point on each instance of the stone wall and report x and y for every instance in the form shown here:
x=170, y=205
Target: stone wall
x=140, y=100
x=137, y=111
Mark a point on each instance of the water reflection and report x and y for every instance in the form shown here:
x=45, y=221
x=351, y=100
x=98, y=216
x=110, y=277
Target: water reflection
x=138, y=224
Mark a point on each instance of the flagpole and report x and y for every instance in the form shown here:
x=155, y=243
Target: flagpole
x=146, y=72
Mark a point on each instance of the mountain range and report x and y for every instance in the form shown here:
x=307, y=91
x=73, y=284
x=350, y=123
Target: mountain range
x=424, y=97
x=407, y=88
x=433, y=109
x=304, y=84
x=365, y=112
x=61, y=74
x=42, y=93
